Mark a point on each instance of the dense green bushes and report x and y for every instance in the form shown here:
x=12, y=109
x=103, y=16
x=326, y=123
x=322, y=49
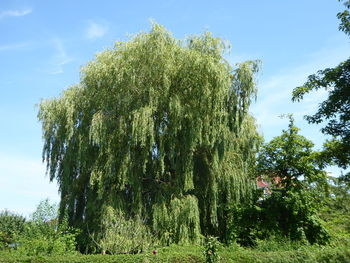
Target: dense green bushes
x=286, y=216
x=194, y=254
x=45, y=239
x=307, y=254
x=11, y=225
x=103, y=259
x=42, y=235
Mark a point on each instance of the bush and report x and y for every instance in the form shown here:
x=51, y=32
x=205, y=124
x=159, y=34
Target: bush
x=41, y=238
x=11, y=225
x=124, y=236
x=211, y=247
x=310, y=255
x=284, y=214
x=172, y=254
x=43, y=235
x=193, y=254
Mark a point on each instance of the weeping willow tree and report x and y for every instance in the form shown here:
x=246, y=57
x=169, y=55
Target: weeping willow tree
x=158, y=129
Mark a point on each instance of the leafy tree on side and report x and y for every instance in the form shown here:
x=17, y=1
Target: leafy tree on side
x=335, y=110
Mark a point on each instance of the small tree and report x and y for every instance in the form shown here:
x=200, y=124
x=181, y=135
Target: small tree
x=45, y=212
x=290, y=158
x=291, y=208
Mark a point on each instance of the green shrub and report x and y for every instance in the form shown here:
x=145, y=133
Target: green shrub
x=124, y=236
x=310, y=254
x=42, y=239
x=284, y=214
x=193, y=254
x=43, y=235
x=11, y=225
x=167, y=257
x=278, y=243
x=211, y=247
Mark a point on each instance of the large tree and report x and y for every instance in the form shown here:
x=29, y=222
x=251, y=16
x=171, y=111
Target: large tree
x=157, y=129
x=335, y=110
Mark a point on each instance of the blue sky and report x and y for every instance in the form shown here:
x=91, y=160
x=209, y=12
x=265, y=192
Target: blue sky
x=43, y=44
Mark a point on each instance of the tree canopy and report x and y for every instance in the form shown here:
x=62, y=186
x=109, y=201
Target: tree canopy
x=291, y=208
x=156, y=129
x=290, y=158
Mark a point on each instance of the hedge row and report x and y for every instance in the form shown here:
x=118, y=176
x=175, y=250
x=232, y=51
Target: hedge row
x=320, y=255
x=194, y=255
x=102, y=259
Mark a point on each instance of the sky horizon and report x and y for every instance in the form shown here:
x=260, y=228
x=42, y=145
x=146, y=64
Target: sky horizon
x=43, y=46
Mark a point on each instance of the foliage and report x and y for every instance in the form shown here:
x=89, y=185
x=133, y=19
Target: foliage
x=306, y=254
x=211, y=247
x=124, y=236
x=177, y=222
x=171, y=254
x=245, y=225
x=338, y=198
x=44, y=236
x=335, y=211
x=289, y=217
x=153, y=122
x=176, y=254
x=11, y=225
x=344, y=18
x=335, y=110
x=35, y=242
x=290, y=210
x=278, y=243
x=292, y=206
x=45, y=212
x=290, y=159
x=292, y=215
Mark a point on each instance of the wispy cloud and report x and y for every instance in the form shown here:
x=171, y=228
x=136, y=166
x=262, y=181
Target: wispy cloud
x=96, y=30
x=60, y=57
x=14, y=46
x=275, y=94
x=15, y=13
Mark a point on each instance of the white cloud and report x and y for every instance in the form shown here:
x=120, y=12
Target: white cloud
x=14, y=13
x=14, y=46
x=95, y=30
x=24, y=184
x=60, y=57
